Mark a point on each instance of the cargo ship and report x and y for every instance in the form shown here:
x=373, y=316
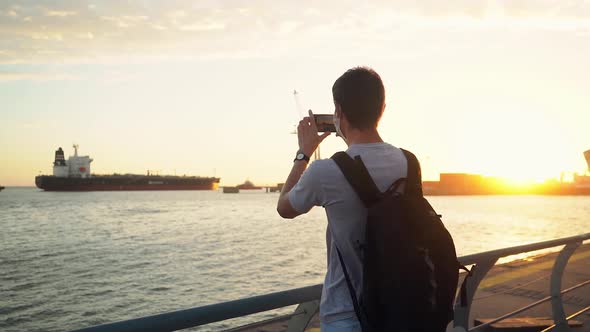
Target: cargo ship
x=74, y=175
x=475, y=184
x=1, y=188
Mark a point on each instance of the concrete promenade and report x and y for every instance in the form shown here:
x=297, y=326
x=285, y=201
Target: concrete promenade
x=513, y=285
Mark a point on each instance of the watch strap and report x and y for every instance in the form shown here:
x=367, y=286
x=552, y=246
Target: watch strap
x=301, y=156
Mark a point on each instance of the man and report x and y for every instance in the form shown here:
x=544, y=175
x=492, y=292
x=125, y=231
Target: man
x=359, y=100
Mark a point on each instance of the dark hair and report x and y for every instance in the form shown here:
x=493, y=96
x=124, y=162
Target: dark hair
x=361, y=96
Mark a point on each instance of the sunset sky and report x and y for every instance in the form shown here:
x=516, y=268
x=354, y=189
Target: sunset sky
x=499, y=88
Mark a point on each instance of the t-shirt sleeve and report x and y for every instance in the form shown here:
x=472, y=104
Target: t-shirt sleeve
x=308, y=192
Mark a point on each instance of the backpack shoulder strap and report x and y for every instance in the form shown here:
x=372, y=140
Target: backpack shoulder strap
x=414, y=183
x=358, y=176
x=355, y=303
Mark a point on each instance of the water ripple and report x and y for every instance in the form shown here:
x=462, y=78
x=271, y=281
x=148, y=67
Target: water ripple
x=71, y=260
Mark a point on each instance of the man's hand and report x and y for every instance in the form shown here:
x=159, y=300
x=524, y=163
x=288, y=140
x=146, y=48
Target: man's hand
x=307, y=133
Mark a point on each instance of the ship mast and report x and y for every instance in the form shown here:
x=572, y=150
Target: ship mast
x=76, y=146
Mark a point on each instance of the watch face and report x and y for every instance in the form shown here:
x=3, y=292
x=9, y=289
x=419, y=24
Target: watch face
x=300, y=156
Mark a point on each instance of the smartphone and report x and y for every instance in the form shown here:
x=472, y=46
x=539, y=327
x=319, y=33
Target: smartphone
x=325, y=122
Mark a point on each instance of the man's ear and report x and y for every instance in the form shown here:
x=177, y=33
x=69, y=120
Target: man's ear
x=381, y=114
x=337, y=109
x=339, y=112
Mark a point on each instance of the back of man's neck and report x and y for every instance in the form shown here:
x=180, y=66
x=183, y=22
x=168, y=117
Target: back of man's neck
x=363, y=137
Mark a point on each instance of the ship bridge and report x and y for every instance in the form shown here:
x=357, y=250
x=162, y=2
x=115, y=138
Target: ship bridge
x=75, y=167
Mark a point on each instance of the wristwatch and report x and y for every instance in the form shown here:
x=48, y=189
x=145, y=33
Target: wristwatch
x=300, y=156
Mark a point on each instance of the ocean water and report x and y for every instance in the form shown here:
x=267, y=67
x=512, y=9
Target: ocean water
x=72, y=260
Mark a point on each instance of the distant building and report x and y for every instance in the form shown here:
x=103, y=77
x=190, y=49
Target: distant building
x=461, y=184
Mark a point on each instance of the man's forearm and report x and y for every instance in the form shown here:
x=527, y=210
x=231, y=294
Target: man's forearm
x=308, y=140
x=294, y=176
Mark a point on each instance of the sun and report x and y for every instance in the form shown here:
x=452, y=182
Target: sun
x=519, y=146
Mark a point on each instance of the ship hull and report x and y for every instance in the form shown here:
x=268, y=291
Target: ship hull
x=125, y=183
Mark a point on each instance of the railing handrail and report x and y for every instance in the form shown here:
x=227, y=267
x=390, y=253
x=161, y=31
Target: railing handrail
x=182, y=319
x=197, y=316
x=499, y=253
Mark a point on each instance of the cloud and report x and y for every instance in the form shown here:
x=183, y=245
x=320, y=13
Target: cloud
x=35, y=76
x=87, y=35
x=202, y=26
x=60, y=13
x=68, y=31
x=125, y=21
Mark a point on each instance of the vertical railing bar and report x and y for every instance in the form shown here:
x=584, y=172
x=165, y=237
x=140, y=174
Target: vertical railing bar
x=462, y=310
x=556, y=276
x=308, y=310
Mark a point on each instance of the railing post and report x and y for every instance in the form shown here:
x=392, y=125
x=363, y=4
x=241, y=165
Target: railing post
x=559, y=318
x=479, y=271
x=302, y=315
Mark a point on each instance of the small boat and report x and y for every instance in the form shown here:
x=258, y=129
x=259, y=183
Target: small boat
x=231, y=190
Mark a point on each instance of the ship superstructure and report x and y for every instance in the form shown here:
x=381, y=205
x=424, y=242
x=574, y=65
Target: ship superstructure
x=75, y=167
x=74, y=175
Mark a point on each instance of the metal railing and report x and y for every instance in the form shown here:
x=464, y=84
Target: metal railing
x=307, y=298
x=483, y=262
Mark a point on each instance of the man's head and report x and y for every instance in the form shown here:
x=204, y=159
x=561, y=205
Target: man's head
x=360, y=96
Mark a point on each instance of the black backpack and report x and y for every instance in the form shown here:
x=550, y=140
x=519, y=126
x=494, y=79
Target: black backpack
x=410, y=267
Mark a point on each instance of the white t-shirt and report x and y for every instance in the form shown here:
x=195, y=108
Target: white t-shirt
x=323, y=184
